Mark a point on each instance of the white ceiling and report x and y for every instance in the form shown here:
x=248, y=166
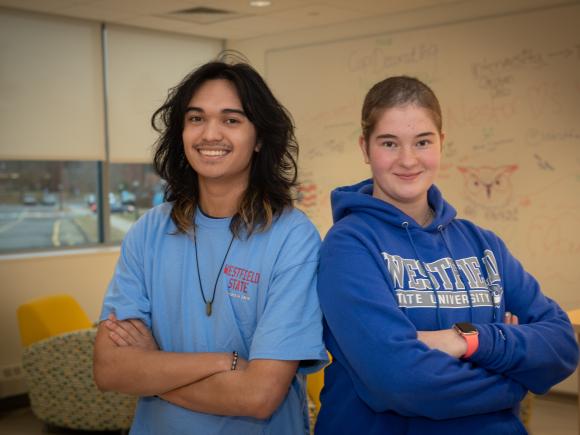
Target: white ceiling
x=241, y=21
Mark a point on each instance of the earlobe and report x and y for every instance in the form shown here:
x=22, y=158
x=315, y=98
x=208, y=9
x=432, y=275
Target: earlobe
x=258, y=147
x=364, y=148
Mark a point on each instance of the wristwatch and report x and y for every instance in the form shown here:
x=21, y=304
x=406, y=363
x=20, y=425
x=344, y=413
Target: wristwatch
x=471, y=336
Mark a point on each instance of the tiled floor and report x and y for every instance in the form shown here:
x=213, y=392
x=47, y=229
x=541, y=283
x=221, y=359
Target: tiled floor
x=551, y=415
x=22, y=422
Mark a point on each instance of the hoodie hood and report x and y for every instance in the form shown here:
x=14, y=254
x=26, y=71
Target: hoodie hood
x=358, y=198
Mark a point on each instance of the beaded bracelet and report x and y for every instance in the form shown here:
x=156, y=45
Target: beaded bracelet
x=234, y=360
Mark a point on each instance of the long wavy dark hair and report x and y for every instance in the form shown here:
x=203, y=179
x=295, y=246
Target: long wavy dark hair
x=273, y=170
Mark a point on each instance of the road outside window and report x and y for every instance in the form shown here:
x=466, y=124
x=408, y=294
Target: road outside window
x=45, y=204
x=135, y=188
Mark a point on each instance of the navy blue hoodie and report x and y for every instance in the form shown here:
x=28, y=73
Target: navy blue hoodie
x=383, y=277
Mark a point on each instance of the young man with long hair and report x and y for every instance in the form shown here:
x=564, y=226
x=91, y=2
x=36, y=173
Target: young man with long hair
x=212, y=315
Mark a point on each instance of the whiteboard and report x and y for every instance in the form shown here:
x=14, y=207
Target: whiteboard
x=510, y=91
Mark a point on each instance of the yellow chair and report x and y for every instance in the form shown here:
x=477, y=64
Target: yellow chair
x=314, y=384
x=57, y=359
x=50, y=316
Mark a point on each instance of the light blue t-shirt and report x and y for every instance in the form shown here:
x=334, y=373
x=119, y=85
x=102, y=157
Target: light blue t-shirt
x=265, y=307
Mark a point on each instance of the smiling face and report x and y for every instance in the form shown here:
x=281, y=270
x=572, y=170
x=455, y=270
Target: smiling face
x=219, y=140
x=404, y=152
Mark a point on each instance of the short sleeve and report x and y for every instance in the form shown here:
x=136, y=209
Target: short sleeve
x=126, y=295
x=290, y=326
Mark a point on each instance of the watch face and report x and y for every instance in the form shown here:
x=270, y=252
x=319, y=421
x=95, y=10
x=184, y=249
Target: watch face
x=466, y=328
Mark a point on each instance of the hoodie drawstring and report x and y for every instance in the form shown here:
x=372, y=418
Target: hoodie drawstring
x=405, y=225
x=440, y=229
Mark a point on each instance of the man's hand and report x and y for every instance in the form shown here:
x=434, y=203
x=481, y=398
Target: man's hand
x=128, y=360
x=130, y=332
x=133, y=332
x=255, y=391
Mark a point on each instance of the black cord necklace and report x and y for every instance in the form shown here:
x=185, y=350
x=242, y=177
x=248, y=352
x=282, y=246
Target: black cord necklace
x=209, y=303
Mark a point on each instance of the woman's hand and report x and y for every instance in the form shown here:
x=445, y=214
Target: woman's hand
x=450, y=342
x=130, y=332
x=510, y=319
x=445, y=340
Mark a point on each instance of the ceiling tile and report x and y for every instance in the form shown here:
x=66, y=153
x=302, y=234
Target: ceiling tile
x=246, y=21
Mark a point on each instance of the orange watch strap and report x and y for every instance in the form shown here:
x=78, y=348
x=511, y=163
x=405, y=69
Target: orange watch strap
x=472, y=344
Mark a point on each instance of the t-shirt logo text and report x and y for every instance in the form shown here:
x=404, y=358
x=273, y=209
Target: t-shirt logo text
x=240, y=279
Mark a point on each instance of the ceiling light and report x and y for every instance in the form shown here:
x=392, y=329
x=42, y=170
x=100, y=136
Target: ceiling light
x=260, y=3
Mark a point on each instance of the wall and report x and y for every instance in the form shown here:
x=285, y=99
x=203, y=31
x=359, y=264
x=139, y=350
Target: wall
x=85, y=274
x=82, y=274
x=143, y=65
x=509, y=95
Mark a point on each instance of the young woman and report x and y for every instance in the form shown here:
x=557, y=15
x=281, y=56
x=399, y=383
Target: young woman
x=421, y=308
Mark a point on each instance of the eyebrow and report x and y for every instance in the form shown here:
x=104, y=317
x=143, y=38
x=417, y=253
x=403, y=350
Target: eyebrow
x=393, y=136
x=225, y=111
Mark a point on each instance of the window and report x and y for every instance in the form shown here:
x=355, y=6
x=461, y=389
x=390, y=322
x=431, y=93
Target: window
x=135, y=188
x=44, y=204
x=54, y=204
x=78, y=102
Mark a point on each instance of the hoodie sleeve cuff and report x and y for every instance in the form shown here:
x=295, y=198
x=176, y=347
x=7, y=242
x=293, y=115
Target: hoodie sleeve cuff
x=491, y=342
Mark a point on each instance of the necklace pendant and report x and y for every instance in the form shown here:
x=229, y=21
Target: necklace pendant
x=208, y=309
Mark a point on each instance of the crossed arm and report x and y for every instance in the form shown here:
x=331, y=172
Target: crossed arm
x=450, y=342
x=127, y=359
